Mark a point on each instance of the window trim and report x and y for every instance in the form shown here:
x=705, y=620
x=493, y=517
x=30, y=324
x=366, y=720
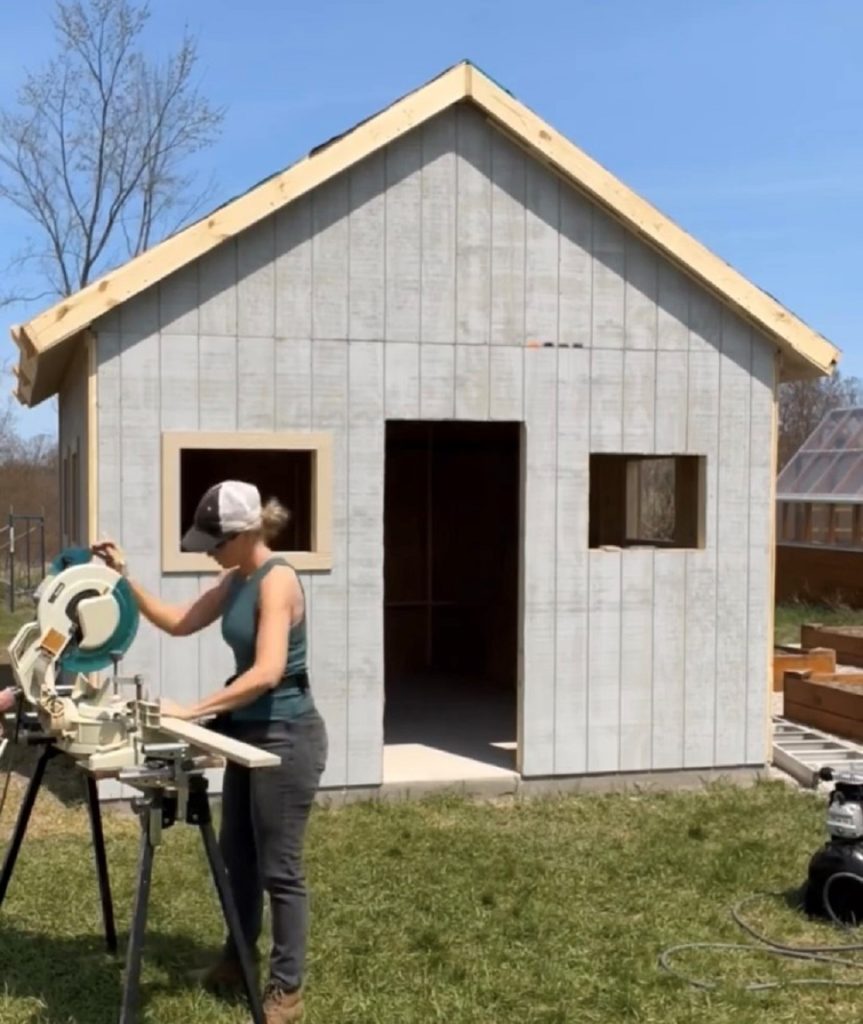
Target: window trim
x=320, y=558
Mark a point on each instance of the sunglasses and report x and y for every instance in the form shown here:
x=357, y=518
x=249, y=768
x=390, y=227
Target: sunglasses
x=224, y=541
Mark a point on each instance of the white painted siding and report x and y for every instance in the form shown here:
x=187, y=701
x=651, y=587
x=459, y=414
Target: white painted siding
x=450, y=276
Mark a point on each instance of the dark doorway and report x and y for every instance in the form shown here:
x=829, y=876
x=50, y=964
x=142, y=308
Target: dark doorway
x=451, y=562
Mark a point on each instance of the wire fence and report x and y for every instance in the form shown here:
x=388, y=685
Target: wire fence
x=22, y=557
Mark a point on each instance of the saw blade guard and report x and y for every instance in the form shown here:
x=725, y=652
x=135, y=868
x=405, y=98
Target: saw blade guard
x=90, y=604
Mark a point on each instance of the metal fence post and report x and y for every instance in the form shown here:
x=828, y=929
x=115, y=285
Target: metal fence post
x=11, y=561
x=28, y=521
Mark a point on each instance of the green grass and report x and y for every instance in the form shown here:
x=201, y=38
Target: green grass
x=10, y=623
x=790, y=617
x=542, y=912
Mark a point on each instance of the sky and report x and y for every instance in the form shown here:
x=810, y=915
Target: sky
x=741, y=120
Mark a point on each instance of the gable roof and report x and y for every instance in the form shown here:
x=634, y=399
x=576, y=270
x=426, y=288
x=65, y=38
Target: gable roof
x=46, y=341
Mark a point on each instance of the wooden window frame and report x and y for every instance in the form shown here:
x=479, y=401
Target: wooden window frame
x=319, y=558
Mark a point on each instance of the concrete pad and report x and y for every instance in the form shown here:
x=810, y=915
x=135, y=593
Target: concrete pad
x=419, y=764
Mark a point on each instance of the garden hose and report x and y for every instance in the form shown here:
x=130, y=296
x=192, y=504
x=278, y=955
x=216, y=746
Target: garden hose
x=765, y=945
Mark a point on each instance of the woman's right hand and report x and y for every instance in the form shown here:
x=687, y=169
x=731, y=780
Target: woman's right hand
x=112, y=555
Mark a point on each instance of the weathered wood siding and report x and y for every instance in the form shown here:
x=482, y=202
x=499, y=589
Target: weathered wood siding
x=452, y=276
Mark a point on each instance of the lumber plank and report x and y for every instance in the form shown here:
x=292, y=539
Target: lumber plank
x=826, y=721
x=848, y=645
x=844, y=701
x=819, y=659
x=215, y=743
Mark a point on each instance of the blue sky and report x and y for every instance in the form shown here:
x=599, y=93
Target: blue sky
x=742, y=119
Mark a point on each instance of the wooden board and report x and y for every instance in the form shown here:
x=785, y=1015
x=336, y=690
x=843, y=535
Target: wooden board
x=215, y=743
x=829, y=705
x=820, y=659
x=846, y=641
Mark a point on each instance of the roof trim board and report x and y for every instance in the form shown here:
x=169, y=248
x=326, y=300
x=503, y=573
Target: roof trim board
x=805, y=352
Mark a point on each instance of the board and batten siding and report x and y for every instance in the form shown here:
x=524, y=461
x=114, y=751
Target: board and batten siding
x=451, y=276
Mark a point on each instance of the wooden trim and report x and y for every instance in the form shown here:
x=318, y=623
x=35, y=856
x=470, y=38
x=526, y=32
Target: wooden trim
x=92, y=426
x=808, y=353
x=320, y=558
x=771, y=588
x=807, y=349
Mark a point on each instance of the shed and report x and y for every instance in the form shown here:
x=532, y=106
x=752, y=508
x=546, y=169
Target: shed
x=526, y=426
x=819, y=510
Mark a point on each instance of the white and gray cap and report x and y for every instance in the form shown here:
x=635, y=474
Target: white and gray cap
x=227, y=508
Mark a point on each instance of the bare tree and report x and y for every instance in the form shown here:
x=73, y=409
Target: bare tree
x=95, y=154
x=804, y=403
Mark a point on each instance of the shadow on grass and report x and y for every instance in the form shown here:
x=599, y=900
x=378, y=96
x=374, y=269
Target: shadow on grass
x=62, y=779
x=76, y=979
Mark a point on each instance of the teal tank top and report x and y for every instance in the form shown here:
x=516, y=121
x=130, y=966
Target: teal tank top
x=291, y=697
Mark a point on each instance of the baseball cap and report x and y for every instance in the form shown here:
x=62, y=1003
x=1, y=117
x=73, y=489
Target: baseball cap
x=226, y=509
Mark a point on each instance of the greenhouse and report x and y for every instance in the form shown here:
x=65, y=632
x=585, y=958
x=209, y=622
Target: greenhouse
x=819, y=509
x=819, y=493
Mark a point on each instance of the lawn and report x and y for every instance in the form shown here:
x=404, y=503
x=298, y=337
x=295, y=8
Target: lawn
x=11, y=622
x=790, y=617
x=543, y=912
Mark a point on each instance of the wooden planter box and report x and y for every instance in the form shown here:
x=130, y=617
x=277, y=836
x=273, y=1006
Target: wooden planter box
x=830, y=702
x=846, y=641
x=820, y=660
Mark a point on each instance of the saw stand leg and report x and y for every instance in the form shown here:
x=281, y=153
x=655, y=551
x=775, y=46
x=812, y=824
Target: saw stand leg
x=48, y=752
x=157, y=810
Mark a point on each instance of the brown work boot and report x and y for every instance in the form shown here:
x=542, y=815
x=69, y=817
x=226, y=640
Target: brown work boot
x=281, y=1007
x=224, y=977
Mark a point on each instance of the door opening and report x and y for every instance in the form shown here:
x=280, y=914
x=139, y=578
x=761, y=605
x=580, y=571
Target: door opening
x=452, y=574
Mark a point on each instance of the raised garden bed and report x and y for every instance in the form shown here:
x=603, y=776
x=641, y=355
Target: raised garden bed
x=832, y=702
x=820, y=659
x=846, y=641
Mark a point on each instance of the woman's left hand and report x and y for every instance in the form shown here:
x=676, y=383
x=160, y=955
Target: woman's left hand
x=170, y=709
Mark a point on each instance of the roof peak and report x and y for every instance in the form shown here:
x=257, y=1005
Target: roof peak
x=805, y=352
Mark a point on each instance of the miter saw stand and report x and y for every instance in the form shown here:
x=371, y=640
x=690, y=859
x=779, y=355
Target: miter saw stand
x=167, y=770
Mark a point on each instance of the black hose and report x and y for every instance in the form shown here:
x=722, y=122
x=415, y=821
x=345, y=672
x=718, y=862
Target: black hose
x=767, y=946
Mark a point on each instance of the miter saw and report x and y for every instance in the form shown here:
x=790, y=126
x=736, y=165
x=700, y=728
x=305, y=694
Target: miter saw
x=86, y=620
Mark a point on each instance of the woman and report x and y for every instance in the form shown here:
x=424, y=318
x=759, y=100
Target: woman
x=267, y=703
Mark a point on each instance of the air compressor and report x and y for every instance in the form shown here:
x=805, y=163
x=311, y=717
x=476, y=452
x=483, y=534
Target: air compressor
x=834, y=885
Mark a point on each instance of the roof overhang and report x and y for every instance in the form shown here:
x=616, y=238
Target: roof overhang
x=46, y=340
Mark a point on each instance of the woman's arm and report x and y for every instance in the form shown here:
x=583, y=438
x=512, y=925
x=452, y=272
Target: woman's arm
x=279, y=603
x=176, y=620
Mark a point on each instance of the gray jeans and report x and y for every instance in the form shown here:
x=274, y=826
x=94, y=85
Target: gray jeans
x=264, y=816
